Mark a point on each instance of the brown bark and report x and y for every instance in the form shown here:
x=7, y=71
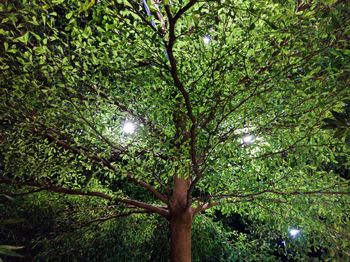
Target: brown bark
x=181, y=236
x=180, y=220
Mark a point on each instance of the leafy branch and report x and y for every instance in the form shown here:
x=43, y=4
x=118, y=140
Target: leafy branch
x=52, y=188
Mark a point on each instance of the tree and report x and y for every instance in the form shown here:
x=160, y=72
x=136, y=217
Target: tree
x=176, y=108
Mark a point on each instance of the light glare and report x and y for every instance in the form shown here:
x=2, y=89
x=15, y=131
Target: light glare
x=128, y=127
x=206, y=39
x=294, y=232
x=248, y=139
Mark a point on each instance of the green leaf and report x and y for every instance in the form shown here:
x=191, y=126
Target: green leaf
x=43, y=17
x=69, y=15
x=24, y=38
x=86, y=6
x=8, y=250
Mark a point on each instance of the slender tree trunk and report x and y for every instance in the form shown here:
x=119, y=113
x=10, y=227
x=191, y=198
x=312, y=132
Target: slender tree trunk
x=180, y=222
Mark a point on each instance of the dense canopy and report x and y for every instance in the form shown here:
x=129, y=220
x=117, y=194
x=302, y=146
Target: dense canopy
x=176, y=107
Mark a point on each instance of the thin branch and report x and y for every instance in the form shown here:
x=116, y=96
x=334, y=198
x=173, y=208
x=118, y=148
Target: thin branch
x=286, y=69
x=103, y=162
x=208, y=205
x=121, y=214
x=269, y=78
x=25, y=193
x=125, y=109
x=248, y=97
x=139, y=14
x=283, y=193
x=69, y=191
x=294, y=144
x=254, y=196
x=99, y=134
x=183, y=10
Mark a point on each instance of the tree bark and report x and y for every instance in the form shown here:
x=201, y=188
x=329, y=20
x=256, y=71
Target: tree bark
x=181, y=236
x=180, y=222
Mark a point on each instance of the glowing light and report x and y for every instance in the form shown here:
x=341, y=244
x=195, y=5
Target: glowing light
x=206, y=39
x=128, y=127
x=248, y=139
x=294, y=232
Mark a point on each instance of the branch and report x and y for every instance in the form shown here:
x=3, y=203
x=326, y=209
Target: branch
x=69, y=191
x=25, y=193
x=99, y=134
x=208, y=205
x=269, y=78
x=183, y=10
x=286, y=69
x=121, y=214
x=103, y=162
x=172, y=60
x=293, y=146
x=253, y=196
x=125, y=109
x=184, y=93
x=283, y=193
x=148, y=23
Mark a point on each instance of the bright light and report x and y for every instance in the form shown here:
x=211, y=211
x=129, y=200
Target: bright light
x=206, y=39
x=128, y=127
x=294, y=232
x=248, y=139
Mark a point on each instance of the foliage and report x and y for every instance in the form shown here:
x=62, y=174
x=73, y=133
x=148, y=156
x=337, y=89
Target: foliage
x=9, y=250
x=58, y=229
x=238, y=116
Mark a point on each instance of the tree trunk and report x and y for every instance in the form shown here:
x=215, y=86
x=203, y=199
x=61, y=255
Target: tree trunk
x=181, y=236
x=180, y=222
